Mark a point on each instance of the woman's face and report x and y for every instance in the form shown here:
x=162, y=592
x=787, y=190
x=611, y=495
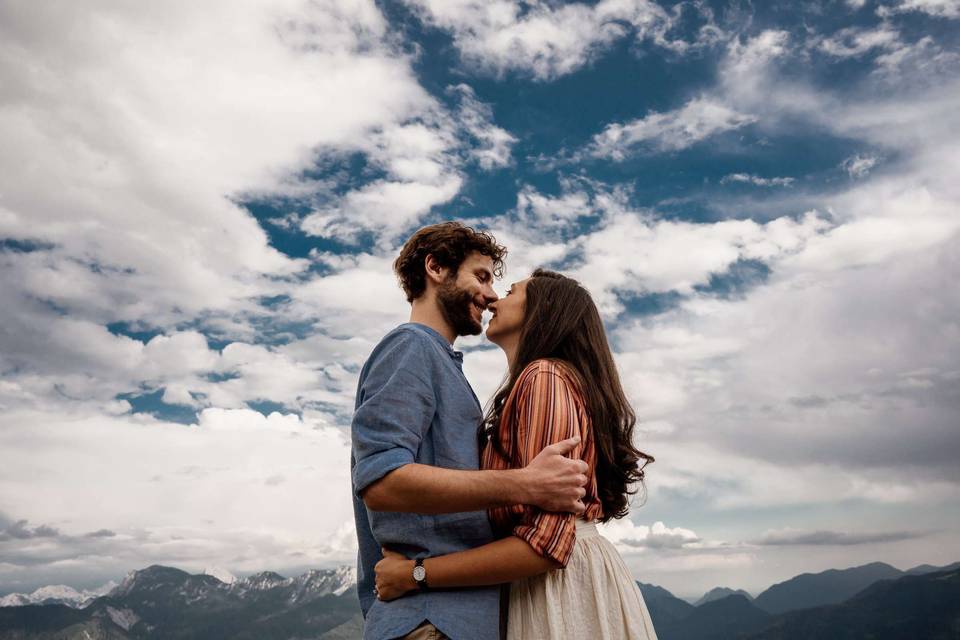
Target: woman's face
x=508, y=312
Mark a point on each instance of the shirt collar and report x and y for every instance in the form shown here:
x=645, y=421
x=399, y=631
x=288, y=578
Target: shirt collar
x=433, y=333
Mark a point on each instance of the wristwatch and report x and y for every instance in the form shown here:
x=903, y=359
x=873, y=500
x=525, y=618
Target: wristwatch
x=420, y=574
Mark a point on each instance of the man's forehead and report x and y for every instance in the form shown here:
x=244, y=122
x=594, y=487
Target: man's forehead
x=477, y=260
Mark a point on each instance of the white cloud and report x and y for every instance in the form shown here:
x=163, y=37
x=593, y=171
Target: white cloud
x=757, y=180
x=547, y=211
x=385, y=206
x=745, y=64
x=634, y=253
x=859, y=165
x=548, y=41
x=476, y=117
x=938, y=8
x=149, y=120
x=854, y=41
x=424, y=161
x=670, y=131
x=918, y=61
x=187, y=496
x=629, y=537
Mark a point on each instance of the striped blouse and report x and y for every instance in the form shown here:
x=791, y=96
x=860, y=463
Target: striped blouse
x=545, y=406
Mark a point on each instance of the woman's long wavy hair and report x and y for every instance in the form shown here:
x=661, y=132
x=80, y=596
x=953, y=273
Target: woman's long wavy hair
x=562, y=322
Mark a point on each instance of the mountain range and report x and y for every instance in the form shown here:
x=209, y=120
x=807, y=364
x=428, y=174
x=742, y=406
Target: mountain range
x=874, y=600
x=163, y=602
x=57, y=594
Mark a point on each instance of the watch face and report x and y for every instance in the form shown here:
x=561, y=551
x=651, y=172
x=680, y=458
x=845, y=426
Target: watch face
x=419, y=573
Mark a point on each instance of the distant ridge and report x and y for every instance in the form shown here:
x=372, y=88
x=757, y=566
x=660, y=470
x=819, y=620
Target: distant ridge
x=722, y=619
x=734, y=617
x=928, y=568
x=924, y=606
x=721, y=592
x=827, y=587
x=665, y=609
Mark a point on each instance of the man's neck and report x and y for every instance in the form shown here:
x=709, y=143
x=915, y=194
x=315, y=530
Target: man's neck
x=426, y=312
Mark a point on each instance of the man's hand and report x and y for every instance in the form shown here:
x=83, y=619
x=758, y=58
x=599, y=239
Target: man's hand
x=553, y=481
x=394, y=576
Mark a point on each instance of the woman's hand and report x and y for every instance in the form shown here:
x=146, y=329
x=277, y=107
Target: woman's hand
x=394, y=576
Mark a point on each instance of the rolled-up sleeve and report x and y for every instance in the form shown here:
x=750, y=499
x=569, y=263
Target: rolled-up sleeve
x=549, y=410
x=395, y=406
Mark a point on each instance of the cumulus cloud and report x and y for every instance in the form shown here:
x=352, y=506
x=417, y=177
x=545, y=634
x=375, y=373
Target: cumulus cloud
x=628, y=536
x=176, y=495
x=548, y=211
x=424, y=161
x=635, y=253
x=694, y=122
x=547, y=41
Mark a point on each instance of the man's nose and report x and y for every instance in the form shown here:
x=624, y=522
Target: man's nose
x=490, y=295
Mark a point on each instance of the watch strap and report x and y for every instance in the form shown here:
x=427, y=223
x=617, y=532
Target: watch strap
x=420, y=583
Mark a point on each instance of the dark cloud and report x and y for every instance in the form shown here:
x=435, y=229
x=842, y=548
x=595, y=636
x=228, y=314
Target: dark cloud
x=19, y=530
x=101, y=533
x=839, y=538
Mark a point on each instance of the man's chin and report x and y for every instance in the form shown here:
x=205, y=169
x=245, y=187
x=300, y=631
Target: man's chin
x=471, y=329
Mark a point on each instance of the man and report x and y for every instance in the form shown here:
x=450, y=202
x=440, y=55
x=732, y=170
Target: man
x=415, y=445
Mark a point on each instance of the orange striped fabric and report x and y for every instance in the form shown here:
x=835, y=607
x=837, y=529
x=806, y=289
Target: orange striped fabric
x=545, y=406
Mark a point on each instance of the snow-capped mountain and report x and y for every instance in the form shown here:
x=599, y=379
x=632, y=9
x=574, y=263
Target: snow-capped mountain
x=165, y=602
x=57, y=594
x=220, y=574
x=312, y=584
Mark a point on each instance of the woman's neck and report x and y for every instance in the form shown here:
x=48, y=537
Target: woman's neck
x=509, y=347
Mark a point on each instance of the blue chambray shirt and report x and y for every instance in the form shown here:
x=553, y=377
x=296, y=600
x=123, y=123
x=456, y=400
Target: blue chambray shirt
x=415, y=405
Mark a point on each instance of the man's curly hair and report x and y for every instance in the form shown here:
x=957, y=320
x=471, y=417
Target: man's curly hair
x=449, y=243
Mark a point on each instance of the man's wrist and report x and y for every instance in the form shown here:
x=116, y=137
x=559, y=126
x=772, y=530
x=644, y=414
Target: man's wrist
x=411, y=583
x=518, y=481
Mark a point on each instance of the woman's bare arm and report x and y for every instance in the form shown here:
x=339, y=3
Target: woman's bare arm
x=504, y=560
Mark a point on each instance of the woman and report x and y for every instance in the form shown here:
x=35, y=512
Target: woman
x=566, y=580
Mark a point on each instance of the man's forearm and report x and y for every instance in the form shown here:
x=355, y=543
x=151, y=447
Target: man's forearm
x=419, y=488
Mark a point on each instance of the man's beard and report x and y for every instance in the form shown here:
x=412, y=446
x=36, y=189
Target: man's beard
x=457, y=307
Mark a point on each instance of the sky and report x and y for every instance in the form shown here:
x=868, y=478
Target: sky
x=200, y=204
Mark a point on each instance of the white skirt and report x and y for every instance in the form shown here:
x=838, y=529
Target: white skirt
x=593, y=597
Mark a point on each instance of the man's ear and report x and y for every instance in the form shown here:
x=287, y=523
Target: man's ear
x=434, y=271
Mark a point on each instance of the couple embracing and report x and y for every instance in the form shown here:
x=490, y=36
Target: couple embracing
x=482, y=526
